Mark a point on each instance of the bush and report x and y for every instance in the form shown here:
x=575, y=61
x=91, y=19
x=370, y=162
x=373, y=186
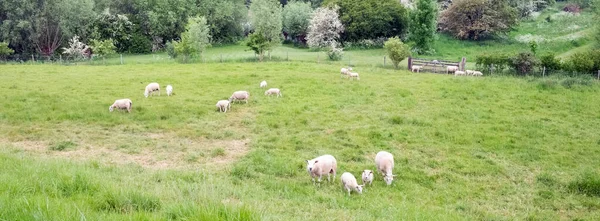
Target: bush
x=335, y=53
x=581, y=62
x=396, y=50
x=366, y=43
x=499, y=61
x=524, y=63
x=259, y=44
x=170, y=48
x=550, y=62
x=5, y=50
x=140, y=44
x=477, y=19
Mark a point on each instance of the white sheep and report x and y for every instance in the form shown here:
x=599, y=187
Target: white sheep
x=477, y=73
x=240, y=96
x=151, y=88
x=469, y=72
x=353, y=75
x=121, y=104
x=367, y=177
x=320, y=166
x=349, y=183
x=451, y=69
x=459, y=73
x=263, y=84
x=384, y=162
x=416, y=68
x=169, y=90
x=274, y=91
x=345, y=71
x=224, y=105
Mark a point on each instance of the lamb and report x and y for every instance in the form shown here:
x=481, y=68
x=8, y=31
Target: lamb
x=477, y=73
x=169, y=90
x=345, y=71
x=240, y=96
x=352, y=75
x=274, y=91
x=263, y=84
x=384, y=161
x=224, y=105
x=469, y=72
x=151, y=88
x=451, y=69
x=416, y=68
x=320, y=166
x=367, y=177
x=349, y=183
x=457, y=73
x=121, y=104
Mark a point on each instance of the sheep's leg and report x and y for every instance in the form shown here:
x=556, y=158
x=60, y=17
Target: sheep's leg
x=329, y=177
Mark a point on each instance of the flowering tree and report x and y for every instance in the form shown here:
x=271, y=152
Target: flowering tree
x=325, y=28
x=76, y=50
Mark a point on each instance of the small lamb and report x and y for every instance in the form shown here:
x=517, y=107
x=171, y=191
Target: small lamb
x=151, y=88
x=352, y=75
x=240, y=96
x=224, y=105
x=469, y=72
x=121, y=104
x=320, y=166
x=451, y=69
x=416, y=68
x=169, y=90
x=349, y=183
x=477, y=73
x=384, y=161
x=459, y=73
x=367, y=177
x=345, y=71
x=274, y=91
x=263, y=84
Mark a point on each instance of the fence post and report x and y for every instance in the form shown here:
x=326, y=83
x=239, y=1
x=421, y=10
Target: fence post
x=463, y=63
x=60, y=58
x=544, y=72
x=221, y=58
x=269, y=54
x=33, y=58
x=121, y=58
x=409, y=63
x=384, y=61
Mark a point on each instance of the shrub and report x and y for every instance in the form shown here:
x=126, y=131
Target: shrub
x=581, y=62
x=259, y=44
x=524, y=63
x=366, y=43
x=170, y=49
x=477, y=19
x=499, y=61
x=140, y=44
x=325, y=28
x=550, y=62
x=77, y=50
x=103, y=48
x=335, y=53
x=5, y=50
x=396, y=50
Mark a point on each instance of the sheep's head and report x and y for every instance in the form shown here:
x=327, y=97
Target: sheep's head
x=310, y=164
x=367, y=173
x=388, y=179
x=266, y=92
x=359, y=188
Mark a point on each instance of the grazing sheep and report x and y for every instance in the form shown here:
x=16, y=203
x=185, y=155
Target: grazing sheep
x=416, y=68
x=345, y=71
x=477, y=73
x=349, y=183
x=451, y=69
x=151, y=88
x=384, y=162
x=367, y=177
x=274, y=91
x=240, y=96
x=469, y=72
x=169, y=90
x=224, y=105
x=320, y=166
x=263, y=84
x=352, y=75
x=121, y=104
x=458, y=73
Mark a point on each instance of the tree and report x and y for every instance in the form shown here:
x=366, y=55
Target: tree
x=113, y=26
x=77, y=50
x=199, y=33
x=103, y=48
x=396, y=50
x=371, y=19
x=296, y=18
x=259, y=44
x=325, y=28
x=477, y=19
x=5, y=50
x=16, y=25
x=524, y=63
x=185, y=48
x=47, y=34
x=265, y=16
x=423, y=26
x=224, y=17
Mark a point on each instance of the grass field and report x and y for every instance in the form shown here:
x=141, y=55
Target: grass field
x=491, y=148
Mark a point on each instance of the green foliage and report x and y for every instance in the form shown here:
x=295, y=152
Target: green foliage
x=498, y=61
x=524, y=63
x=199, y=33
x=140, y=44
x=588, y=184
x=296, y=18
x=477, y=19
x=224, y=18
x=5, y=50
x=184, y=48
x=170, y=48
x=266, y=19
x=533, y=45
x=396, y=50
x=370, y=19
x=423, y=26
x=113, y=26
x=335, y=53
x=103, y=47
x=581, y=62
x=259, y=44
x=550, y=62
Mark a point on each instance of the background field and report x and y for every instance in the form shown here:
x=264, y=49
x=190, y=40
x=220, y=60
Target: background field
x=493, y=148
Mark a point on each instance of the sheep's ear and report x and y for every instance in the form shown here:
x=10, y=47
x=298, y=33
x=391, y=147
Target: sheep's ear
x=316, y=161
x=371, y=172
x=306, y=161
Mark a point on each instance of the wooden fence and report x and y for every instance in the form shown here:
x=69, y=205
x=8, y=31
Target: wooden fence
x=435, y=66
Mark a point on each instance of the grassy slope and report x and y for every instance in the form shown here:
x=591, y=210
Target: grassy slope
x=466, y=148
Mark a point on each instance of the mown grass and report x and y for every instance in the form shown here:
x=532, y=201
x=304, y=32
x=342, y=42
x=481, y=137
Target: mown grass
x=497, y=148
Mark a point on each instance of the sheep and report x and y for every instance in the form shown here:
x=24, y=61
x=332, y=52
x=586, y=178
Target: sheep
x=367, y=177
x=349, y=183
x=451, y=69
x=469, y=72
x=224, y=105
x=384, y=162
x=263, y=84
x=121, y=104
x=320, y=166
x=169, y=90
x=151, y=88
x=240, y=96
x=457, y=73
x=352, y=75
x=274, y=91
x=477, y=73
x=416, y=68
x=345, y=71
